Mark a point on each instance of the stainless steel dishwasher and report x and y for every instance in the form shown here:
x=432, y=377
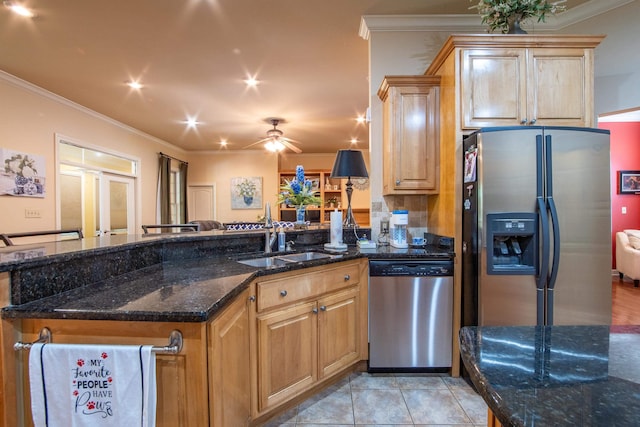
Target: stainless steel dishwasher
x=410, y=315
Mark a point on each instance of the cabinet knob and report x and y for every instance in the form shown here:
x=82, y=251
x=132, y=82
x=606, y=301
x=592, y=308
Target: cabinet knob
x=283, y=293
x=346, y=277
x=523, y=121
x=252, y=298
x=315, y=310
x=533, y=122
x=397, y=182
x=323, y=307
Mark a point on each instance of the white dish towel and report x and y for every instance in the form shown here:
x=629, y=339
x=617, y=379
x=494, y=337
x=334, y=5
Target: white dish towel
x=75, y=385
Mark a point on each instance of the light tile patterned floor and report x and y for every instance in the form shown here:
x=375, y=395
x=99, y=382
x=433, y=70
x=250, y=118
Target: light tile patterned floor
x=370, y=400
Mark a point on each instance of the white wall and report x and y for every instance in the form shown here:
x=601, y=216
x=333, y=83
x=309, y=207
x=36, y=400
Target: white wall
x=617, y=61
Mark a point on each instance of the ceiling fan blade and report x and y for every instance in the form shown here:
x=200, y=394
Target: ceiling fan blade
x=290, y=146
x=290, y=140
x=263, y=140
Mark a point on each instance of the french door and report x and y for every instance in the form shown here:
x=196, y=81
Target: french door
x=96, y=189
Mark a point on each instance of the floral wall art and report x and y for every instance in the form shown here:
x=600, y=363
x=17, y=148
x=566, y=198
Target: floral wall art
x=21, y=174
x=246, y=193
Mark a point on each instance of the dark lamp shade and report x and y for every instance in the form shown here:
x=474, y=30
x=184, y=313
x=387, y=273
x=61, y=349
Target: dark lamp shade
x=349, y=164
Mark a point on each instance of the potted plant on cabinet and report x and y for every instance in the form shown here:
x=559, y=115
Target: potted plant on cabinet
x=507, y=15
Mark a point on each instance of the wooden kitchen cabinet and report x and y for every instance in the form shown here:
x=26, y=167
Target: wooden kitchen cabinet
x=182, y=394
x=526, y=86
x=338, y=345
x=230, y=355
x=288, y=351
x=311, y=325
x=411, y=125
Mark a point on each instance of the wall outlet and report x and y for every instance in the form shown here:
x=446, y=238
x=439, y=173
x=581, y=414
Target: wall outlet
x=624, y=210
x=32, y=213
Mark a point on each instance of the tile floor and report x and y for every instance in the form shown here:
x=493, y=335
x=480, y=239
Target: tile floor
x=370, y=400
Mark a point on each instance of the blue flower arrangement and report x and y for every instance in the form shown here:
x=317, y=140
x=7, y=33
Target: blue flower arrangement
x=298, y=192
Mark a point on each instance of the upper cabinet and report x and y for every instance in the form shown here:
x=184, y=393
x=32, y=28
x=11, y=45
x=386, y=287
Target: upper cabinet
x=507, y=80
x=526, y=86
x=410, y=134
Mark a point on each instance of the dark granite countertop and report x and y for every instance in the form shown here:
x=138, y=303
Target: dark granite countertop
x=556, y=375
x=183, y=278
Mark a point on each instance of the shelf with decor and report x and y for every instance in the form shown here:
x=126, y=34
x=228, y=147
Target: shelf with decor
x=329, y=190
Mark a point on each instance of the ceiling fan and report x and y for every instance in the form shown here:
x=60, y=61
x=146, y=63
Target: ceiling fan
x=275, y=140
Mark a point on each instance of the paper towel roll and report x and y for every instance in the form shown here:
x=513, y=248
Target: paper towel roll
x=336, y=228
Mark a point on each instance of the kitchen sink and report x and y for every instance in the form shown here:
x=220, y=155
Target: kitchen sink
x=264, y=262
x=305, y=256
x=280, y=260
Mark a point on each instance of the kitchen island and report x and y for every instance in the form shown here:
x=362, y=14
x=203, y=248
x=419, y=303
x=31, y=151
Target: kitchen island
x=555, y=375
x=240, y=324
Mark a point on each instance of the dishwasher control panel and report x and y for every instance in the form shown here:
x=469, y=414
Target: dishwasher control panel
x=413, y=268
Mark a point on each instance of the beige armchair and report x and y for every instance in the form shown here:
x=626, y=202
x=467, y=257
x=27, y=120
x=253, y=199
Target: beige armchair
x=628, y=255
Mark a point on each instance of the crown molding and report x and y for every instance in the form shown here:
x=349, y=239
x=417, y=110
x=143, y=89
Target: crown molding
x=370, y=23
x=23, y=84
x=473, y=22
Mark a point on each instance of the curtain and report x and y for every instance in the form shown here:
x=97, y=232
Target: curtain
x=183, y=193
x=164, y=184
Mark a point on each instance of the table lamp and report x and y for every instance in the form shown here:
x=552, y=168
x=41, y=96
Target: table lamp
x=349, y=163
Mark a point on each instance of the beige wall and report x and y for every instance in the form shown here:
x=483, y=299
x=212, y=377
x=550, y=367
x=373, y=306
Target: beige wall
x=30, y=119
x=218, y=168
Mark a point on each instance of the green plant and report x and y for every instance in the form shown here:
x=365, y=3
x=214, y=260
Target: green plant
x=18, y=163
x=298, y=191
x=498, y=13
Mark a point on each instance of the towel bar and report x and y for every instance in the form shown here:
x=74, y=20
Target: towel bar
x=174, y=347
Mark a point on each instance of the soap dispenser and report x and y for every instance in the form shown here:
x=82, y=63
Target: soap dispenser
x=281, y=239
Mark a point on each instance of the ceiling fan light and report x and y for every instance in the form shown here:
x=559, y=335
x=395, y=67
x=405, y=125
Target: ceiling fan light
x=278, y=145
x=19, y=9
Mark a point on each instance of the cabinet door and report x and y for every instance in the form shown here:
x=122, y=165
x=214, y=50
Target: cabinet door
x=338, y=331
x=411, y=139
x=181, y=379
x=287, y=353
x=493, y=90
x=229, y=361
x=557, y=90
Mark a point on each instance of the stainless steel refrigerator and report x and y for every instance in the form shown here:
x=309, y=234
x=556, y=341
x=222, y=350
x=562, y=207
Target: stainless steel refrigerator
x=536, y=226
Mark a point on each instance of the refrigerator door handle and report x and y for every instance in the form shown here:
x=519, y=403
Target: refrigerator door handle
x=551, y=206
x=541, y=208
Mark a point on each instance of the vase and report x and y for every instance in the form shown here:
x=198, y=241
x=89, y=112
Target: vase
x=248, y=200
x=514, y=26
x=300, y=222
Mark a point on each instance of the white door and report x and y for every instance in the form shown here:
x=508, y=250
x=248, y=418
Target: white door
x=116, y=205
x=201, y=202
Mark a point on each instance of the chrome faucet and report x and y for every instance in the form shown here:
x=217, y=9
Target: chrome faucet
x=269, y=237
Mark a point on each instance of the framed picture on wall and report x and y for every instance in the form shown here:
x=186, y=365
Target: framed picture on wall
x=629, y=182
x=246, y=192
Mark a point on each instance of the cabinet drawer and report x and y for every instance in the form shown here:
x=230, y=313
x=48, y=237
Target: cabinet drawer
x=287, y=290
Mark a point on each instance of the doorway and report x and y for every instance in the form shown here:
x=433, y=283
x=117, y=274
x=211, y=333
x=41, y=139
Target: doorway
x=96, y=190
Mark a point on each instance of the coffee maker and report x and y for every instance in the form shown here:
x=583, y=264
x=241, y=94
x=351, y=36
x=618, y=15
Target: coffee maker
x=398, y=225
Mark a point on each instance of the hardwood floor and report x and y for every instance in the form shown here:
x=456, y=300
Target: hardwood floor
x=625, y=302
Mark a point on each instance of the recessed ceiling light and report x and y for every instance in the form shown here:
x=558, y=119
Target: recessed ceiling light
x=134, y=85
x=354, y=140
x=19, y=9
x=192, y=122
x=251, y=81
x=360, y=119
x=223, y=142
